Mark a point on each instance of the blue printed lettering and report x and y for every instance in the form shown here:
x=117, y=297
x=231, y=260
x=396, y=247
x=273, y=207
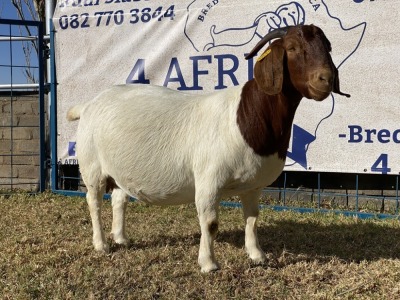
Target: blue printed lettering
x=76, y=3
x=204, y=11
x=384, y=136
x=175, y=65
x=197, y=72
x=138, y=69
x=227, y=65
x=314, y=4
x=90, y=2
x=230, y=72
x=250, y=67
x=396, y=136
x=381, y=165
x=369, y=133
x=357, y=135
x=71, y=148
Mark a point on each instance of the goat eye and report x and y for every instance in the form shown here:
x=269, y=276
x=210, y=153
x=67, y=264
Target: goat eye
x=291, y=49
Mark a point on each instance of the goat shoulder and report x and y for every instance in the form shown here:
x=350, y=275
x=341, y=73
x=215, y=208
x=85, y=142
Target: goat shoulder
x=265, y=121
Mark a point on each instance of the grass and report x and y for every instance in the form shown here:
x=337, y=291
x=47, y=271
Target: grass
x=46, y=253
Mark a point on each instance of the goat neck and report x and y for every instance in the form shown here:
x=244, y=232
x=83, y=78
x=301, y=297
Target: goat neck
x=265, y=121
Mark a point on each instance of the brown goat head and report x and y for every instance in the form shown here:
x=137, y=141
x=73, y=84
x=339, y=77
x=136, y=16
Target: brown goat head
x=302, y=55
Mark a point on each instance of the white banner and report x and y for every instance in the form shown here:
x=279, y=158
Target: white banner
x=199, y=45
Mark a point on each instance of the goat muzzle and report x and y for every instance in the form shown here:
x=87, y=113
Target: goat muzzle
x=322, y=82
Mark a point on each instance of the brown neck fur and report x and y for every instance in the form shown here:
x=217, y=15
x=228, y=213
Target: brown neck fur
x=265, y=121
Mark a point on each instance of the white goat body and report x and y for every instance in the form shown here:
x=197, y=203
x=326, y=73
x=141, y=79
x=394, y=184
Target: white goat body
x=156, y=143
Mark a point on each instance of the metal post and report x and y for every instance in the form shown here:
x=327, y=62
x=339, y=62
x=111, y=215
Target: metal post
x=284, y=189
x=356, y=208
x=12, y=115
x=53, y=115
x=49, y=11
x=50, y=72
x=319, y=190
x=397, y=194
x=42, y=126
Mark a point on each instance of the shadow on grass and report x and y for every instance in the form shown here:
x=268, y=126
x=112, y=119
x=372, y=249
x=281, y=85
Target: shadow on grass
x=349, y=242
x=161, y=240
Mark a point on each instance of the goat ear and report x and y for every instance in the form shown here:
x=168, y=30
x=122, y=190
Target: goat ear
x=268, y=71
x=336, y=86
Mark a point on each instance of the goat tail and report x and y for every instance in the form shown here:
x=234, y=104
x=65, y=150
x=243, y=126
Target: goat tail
x=74, y=113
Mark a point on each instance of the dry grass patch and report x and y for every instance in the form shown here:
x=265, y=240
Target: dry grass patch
x=46, y=253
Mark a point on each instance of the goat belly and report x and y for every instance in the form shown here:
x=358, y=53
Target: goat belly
x=260, y=173
x=184, y=196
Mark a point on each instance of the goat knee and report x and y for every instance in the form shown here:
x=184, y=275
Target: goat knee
x=213, y=229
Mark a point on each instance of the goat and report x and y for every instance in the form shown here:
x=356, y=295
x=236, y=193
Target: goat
x=167, y=147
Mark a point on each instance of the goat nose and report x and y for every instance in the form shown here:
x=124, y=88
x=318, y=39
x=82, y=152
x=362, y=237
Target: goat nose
x=324, y=77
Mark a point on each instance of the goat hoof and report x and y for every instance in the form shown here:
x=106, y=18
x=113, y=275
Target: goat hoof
x=259, y=259
x=103, y=248
x=120, y=240
x=212, y=267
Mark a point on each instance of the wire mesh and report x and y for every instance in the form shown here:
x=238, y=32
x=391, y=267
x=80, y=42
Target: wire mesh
x=22, y=137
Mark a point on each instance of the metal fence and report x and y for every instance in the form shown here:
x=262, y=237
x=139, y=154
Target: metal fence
x=22, y=126
x=359, y=195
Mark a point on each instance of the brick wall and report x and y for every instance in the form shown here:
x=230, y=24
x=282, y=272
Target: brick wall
x=19, y=142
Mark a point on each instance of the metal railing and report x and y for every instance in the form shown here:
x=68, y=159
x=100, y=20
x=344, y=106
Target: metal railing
x=23, y=152
x=358, y=195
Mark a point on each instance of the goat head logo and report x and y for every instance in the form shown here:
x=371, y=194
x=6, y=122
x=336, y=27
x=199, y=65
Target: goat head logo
x=200, y=14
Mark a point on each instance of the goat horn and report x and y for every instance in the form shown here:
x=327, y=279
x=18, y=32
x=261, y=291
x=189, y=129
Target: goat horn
x=278, y=33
